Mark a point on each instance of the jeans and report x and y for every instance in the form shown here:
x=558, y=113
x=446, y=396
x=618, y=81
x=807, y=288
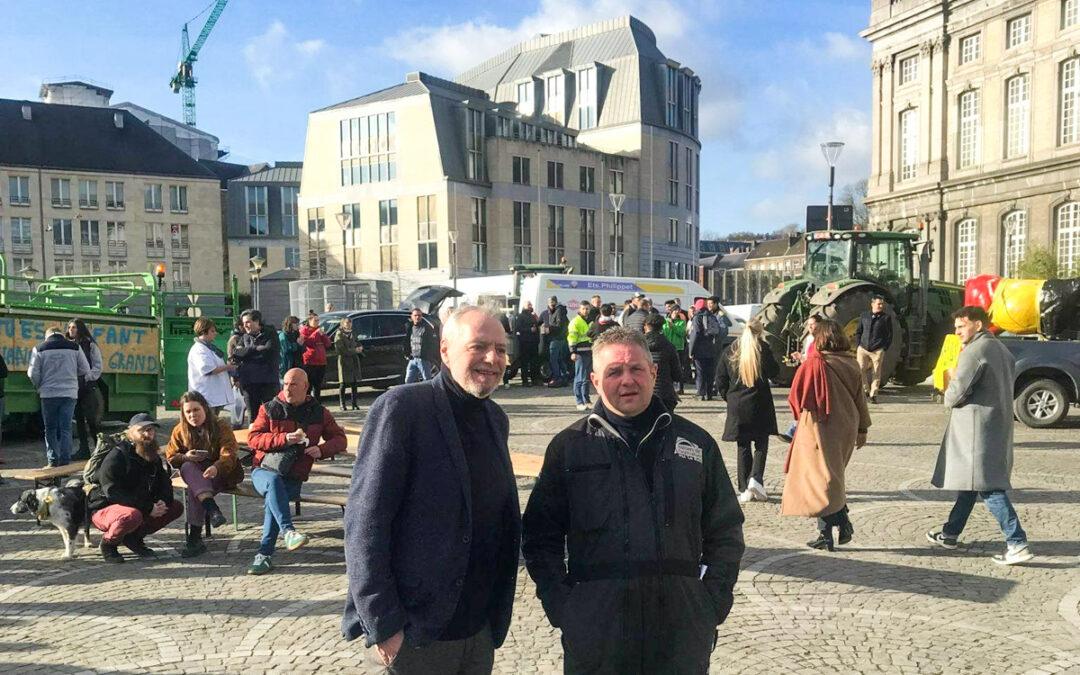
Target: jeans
x=752, y=464
x=558, y=355
x=277, y=493
x=418, y=370
x=582, y=368
x=997, y=501
x=57, y=413
x=705, y=371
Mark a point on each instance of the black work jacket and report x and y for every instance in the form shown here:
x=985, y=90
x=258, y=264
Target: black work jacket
x=628, y=596
x=668, y=368
x=127, y=479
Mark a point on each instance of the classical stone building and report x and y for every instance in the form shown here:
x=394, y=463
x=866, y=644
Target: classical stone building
x=976, y=129
x=511, y=163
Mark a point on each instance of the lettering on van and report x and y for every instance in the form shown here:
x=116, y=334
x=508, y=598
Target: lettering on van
x=124, y=349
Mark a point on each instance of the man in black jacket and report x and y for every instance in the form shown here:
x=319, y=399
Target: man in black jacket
x=421, y=348
x=640, y=502
x=527, y=331
x=553, y=324
x=257, y=354
x=432, y=526
x=133, y=494
x=873, y=337
x=666, y=359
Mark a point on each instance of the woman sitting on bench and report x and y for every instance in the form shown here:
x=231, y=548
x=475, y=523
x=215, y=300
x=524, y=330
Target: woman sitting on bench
x=203, y=447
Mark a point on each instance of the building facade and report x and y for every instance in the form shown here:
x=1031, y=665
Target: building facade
x=92, y=190
x=514, y=162
x=976, y=129
x=786, y=255
x=262, y=219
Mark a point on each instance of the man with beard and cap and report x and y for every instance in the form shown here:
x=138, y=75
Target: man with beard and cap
x=633, y=533
x=432, y=525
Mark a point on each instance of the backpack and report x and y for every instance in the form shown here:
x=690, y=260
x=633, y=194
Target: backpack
x=711, y=325
x=105, y=443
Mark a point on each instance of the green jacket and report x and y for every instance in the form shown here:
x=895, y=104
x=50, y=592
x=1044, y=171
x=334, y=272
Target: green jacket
x=675, y=332
x=577, y=335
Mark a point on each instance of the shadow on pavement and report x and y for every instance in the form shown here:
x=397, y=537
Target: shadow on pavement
x=947, y=497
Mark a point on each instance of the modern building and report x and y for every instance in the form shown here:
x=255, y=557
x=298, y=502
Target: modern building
x=516, y=161
x=90, y=189
x=976, y=129
x=261, y=219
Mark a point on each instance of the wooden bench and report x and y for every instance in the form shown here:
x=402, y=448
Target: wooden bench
x=246, y=489
x=352, y=439
x=47, y=477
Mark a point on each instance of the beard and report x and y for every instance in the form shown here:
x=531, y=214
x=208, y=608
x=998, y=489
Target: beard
x=147, y=449
x=478, y=390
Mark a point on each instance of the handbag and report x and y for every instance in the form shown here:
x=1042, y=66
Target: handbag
x=237, y=409
x=282, y=462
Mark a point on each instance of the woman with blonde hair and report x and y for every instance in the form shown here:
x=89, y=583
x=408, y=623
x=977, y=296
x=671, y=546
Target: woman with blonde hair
x=743, y=378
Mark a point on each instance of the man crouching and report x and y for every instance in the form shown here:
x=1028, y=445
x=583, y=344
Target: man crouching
x=642, y=502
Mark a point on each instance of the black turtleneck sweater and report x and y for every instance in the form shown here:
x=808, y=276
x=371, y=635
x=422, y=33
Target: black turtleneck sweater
x=634, y=429
x=490, y=490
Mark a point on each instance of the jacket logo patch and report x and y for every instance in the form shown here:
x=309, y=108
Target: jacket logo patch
x=687, y=450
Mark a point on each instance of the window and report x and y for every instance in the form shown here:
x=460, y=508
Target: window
x=555, y=175
x=525, y=98
x=90, y=233
x=62, y=235
x=260, y=251
x=20, y=264
x=671, y=90
x=19, y=190
x=1070, y=13
x=114, y=194
x=61, y=192
x=20, y=233
x=1014, y=235
x=91, y=266
x=115, y=233
x=909, y=69
x=290, y=212
x=426, y=219
x=388, y=235
x=368, y=149
x=64, y=267
x=521, y=171
x=1070, y=101
x=1018, y=108
x=553, y=92
x=317, y=263
x=587, y=178
x=255, y=205
x=88, y=194
x=474, y=144
x=615, y=179
x=586, y=98
x=697, y=186
x=588, y=241
x=181, y=275
x=1018, y=31
x=909, y=143
x=689, y=178
x=522, y=233
x=178, y=198
x=479, y=234
x=155, y=235
x=1067, y=224
x=556, y=234
x=969, y=129
x=617, y=243
x=673, y=231
x=179, y=234
x=116, y=266
x=966, y=246
x=970, y=48
x=152, y=197
x=292, y=257
x=316, y=253
x=673, y=173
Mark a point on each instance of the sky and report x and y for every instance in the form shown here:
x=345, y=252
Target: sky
x=779, y=77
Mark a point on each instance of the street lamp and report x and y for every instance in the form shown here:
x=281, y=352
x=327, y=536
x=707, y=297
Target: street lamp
x=344, y=219
x=257, y=263
x=159, y=272
x=29, y=273
x=617, y=201
x=453, y=256
x=831, y=150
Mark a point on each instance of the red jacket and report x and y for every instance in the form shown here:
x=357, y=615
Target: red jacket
x=277, y=418
x=315, y=345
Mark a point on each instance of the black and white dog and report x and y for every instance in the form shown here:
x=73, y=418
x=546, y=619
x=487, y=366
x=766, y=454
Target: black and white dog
x=63, y=507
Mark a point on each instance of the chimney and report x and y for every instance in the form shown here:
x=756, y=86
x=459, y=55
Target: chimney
x=118, y=119
x=26, y=115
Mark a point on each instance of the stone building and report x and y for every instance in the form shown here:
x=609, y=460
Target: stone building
x=262, y=218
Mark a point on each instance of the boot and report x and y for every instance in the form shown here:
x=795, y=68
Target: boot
x=824, y=541
x=213, y=512
x=341, y=398
x=110, y=553
x=355, y=401
x=194, y=545
x=138, y=546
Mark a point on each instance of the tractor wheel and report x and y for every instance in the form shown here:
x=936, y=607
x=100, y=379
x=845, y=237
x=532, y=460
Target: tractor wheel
x=847, y=309
x=772, y=317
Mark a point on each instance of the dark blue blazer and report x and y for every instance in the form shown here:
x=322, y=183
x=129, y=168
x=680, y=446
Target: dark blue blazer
x=408, y=520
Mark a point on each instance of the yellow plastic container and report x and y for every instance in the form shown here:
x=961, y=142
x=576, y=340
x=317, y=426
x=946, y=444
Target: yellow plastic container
x=1016, y=305
x=948, y=358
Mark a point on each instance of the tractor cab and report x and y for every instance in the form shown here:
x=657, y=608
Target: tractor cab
x=884, y=258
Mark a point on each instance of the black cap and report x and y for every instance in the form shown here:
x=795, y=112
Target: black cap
x=141, y=420
x=553, y=298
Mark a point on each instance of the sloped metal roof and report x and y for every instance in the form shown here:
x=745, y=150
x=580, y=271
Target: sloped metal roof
x=402, y=90
x=282, y=172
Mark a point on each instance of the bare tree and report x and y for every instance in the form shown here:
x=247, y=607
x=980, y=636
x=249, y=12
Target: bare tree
x=854, y=195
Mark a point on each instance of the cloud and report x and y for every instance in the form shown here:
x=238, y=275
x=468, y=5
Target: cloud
x=829, y=47
x=720, y=114
x=275, y=56
x=842, y=47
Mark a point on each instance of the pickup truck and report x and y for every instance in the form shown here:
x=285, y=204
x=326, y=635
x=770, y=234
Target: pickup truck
x=1047, y=379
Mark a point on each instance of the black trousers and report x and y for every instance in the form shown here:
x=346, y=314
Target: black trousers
x=315, y=375
x=341, y=394
x=684, y=364
x=88, y=413
x=256, y=394
x=472, y=656
x=528, y=361
x=705, y=372
x=752, y=464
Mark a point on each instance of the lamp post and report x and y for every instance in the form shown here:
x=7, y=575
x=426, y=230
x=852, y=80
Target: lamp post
x=257, y=263
x=344, y=219
x=831, y=150
x=453, y=257
x=159, y=272
x=29, y=273
x=617, y=200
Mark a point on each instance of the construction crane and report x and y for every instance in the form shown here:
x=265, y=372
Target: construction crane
x=183, y=82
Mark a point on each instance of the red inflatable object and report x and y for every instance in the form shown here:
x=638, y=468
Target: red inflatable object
x=979, y=290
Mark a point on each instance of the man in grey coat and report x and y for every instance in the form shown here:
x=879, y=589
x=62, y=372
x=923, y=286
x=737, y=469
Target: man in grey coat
x=976, y=455
x=55, y=368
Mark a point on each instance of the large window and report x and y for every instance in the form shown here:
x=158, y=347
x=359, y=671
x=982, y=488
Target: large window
x=88, y=194
x=426, y=233
x=116, y=233
x=62, y=234
x=689, y=153
x=479, y=234
x=1070, y=101
x=181, y=276
x=61, y=192
x=909, y=69
x=152, y=197
x=555, y=102
x=1067, y=224
x=617, y=242
x=388, y=235
x=671, y=91
x=615, y=182
x=673, y=231
x=1018, y=31
x=114, y=195
x=1017, y=112
x=588, y=241
x=967, y=241
x=21, y=234
x=290, y=212
x=673, y=173
x=555, y=175
x=1014, y=238
x=90, y=233
x=586, y=98
x=255, y=205
x=316, y=252
x=970, y=48
x=292, y=257
x=19, y=190
x=525, y=97
x=522, y=233
x=969, y=129
x=155, y=237
x=556, y=234
x=181, y=240
x=474, y=144
x=1070, y=13
x=909, y=143
x=587, y=178
x=368, y=149
x=178, y=198
x=521, y=171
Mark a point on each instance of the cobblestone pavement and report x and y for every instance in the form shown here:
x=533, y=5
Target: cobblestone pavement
x=886, y=603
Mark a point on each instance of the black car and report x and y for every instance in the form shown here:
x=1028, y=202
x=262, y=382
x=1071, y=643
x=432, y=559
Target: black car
x=382, y=334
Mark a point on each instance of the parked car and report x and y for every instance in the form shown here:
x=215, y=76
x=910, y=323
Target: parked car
x=382, y=334
x=1047, y=379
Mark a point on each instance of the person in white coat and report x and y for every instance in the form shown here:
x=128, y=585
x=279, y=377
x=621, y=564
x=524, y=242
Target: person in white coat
x=976, y=456
x=208, y=373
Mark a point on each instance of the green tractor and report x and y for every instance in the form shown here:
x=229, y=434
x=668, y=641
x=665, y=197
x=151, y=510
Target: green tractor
x=843, y=271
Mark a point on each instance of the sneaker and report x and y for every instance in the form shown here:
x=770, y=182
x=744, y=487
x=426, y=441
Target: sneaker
x=941, y=539
x=110, y=554
x=1014, y=555
x=506, y=385
x=582, y=407
x=262, y=565
x=757, y=491
x=746, y=497
x=294, y=540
